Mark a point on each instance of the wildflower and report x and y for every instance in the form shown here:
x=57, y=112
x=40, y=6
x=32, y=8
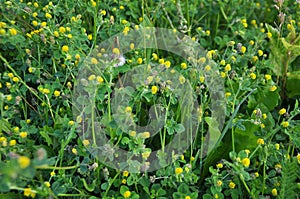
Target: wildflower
x=201, y=79
x=94, y=61
x=298, y=158
x=233, y=58
x=46, y=91
x=71, y=123
x=146, y=154
x=231, y=185
x=47, y=15
x=254, y=58
x=85, y=142
x=127, y=194
x=124, y=181
x=222, y=62
x=260, y=53
x=181, y=79
x=277, y=146
x=216, y=196
x=62, y=30
x=125, y=173
x=28, y=192
x=219, y=183
x=227, y=67
x=70, y=36
x=282, y=111
x=264, y=116
x=94, y=4
x=267, y=77
x=274, y=192
x=121, y=7
x=35, y=14
x=139, y=60
x=36, y=4
x=145, y=135
x=273, y=88
x=269, y=35
x=207, y=32
x=231, y=43
x=132, y=133
x=262, y=126
x=23, y=134
x=99, y=79
x=256, y=174
x=52, y=173
x=28, y=121
x=260, y=141
x=207, y=68
x=167, y=64
x=219, y=165
x=13, y=31
x=128, y=109
x=74, y=151
x=131, y=46
x=285, y=124
x=246, y=162
x=247, y=151
x=90, y=37
x=2, y=31
x=56, y=34
x=227, y=94
x=9, y=97
x=154, y=56
x=65, y=48
x=56, y=93
x=126, y=30
x=187, y=197
x=43, y=24
x=12, y=143
x=47, y=184
x=183, y=65
x=223, y=75
x=154, y=89
x=24, y=162
x=243, y=49
x=253, y=76
x=178, y=170
x=103, y=12
x=251, y=42
x=161, y=61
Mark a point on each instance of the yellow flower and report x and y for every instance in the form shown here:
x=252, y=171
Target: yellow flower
x=127, y=194
x=227, y=67
x=219, y=183
x=124, y=181
x=187, y=197
x=103, y=12
x=222, y=62
x=47, y=15
x=227, y=94
x=46, y=91
x=167, y=64
x=139, y=60
x=285, y=124
x=247, y=151
x=201, y=79
x=219, y=165
x=128, y=109
x=231, y=185
x=65, y=48
x=47, y=184
x=121, y=7
x=260, y=141
x=268, y=77
x=35, y=23
x=269, y=35
x=56, y=93
x=282, y=111
x=154, y=89
x=24, y=162
x=161, y=61
x=90, y=37
x=28, y=192
x=94, y=4
x=264, y=116
x=23, y=134
x=12, y=143
x=2, y=31
x=125, y=173
x=36, y=4
x=74, y=151
x=52, y=173
x=43, y=24
x=2, y=24
x=181, y=79
x=256, y=174
x=13, y=31
x=35, y=14
x=85, y=142
x=243, y=49
x=132, y=133
x=274, y=192
x=273, y=88
x=62, y=30
x=131, y=46
x=246, y=162
x=253, y=76
x=126, y=30
x=154, y=56
x=145, y=135
x=178, y=170
x=277, y=146
x=223, y=75
x=260, y=53
x=298, y=158
x=207, y=67
x=9, y=97
x=251, y=42
x=91, y=77
x=99, y=79
x=56, y=34
x=146, y=154
x=70, y=36
x=71, y=123
x=94, y=61
x=28, y=121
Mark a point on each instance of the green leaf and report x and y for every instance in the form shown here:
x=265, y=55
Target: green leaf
x=5, y=126
x=90, y=187
x=45, y=135
x=293, y=84
x=214, y=133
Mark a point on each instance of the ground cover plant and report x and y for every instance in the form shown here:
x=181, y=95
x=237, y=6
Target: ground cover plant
x=59, y=87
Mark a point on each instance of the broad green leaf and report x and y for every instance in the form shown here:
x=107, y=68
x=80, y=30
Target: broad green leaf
x=293, y=84
x=5, y=126
x=45, y=135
